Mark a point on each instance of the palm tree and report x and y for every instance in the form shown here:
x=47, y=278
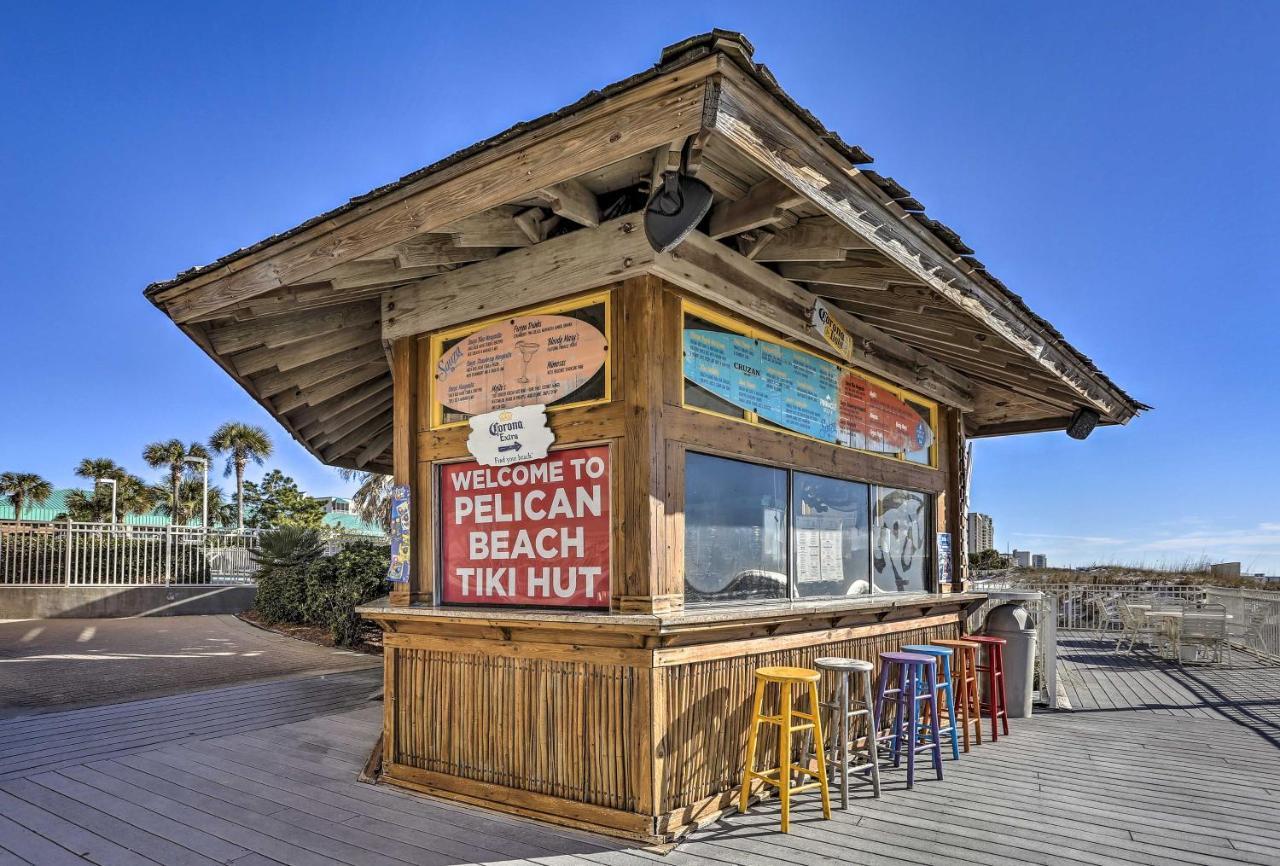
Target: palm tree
x=173, y=455
x=189, y=492
x=91, y=506
x=240, y=443
x=24, y=487
x=372, y=497
x=134, y=496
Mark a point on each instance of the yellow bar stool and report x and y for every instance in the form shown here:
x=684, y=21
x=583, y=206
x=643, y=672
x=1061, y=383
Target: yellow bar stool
x=780, y=777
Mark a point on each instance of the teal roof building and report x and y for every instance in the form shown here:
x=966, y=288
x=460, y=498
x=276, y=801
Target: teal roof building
x=339, y=514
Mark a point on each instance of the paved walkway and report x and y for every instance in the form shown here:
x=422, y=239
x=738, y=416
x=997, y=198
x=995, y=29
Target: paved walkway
x=265, y=774
x=73, y=662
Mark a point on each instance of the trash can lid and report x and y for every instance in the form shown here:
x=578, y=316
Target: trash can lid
x=1010, y=617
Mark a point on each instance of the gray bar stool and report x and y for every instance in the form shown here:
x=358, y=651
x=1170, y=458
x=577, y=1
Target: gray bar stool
x=843, y=751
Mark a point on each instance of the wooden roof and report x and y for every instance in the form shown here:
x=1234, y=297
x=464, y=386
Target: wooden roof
x=300, y=318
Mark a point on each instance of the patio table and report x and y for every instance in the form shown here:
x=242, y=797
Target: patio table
x=1174, y=620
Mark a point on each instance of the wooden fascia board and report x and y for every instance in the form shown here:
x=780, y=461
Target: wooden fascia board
x=591, y=258
x=660, y=111
x=764, y=132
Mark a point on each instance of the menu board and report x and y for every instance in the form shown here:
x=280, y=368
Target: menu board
x=523, y=361
x=818, y=553
x=791, y=388
x=875, y=419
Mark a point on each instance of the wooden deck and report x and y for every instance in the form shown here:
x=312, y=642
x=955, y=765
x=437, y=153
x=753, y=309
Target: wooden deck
x=1154, y=766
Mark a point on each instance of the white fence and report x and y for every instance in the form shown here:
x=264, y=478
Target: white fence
x=1255, y=614
x=104, y=554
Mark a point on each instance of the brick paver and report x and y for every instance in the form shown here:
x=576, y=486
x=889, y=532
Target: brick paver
x=57, y=663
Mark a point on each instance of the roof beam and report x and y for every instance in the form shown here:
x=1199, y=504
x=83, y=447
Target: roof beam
x=753, y=122
x=376, y=447
x=277, y=331
x=307, y=415
x=659, y=111
x=573, y=201
x=328, y=389
x=578, y=261
x=298, y=354
x=765, y=204
x=309, y=375
x=815, y=239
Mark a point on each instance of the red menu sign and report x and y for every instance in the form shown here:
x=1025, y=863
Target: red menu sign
x=533, y=533
x=874, y=419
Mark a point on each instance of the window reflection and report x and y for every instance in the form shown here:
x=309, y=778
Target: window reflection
x=735, y=530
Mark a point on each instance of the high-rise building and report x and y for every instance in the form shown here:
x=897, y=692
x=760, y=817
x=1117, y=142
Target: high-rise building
x=981, y=532
x=1021, y=558
x=1039, y=560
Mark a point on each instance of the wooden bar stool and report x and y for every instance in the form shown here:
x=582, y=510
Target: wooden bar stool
x=943, y=655
x=968, y=704
x=995, y=703
x=843, y=751
x=906, y=679
x=780, y=777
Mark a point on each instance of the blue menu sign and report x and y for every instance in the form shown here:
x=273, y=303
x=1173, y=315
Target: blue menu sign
x=791, y=388
x=399, y=571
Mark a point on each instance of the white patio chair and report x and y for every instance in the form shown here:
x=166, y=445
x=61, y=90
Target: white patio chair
x=1205, y=628
x=1136, y=627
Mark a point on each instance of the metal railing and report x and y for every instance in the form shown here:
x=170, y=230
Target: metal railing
x=1255, y=614
x=103, y=554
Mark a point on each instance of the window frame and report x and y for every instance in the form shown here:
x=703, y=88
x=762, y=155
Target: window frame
x=689, y=308
x=440, y=338
x=792, y=596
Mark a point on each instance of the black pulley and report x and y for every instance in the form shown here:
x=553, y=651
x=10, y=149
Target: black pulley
x=675, y=208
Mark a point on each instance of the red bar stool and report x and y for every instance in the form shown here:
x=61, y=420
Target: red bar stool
x=996, y=705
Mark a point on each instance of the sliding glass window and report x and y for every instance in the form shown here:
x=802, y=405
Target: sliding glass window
x=758, y=533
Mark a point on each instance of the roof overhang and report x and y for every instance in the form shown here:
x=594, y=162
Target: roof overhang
x=301, y=319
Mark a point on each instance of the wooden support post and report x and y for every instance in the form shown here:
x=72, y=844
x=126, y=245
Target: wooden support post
x=404, y=454
x=641, y=582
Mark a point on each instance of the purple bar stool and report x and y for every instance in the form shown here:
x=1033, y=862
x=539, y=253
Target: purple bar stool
x=906, y=679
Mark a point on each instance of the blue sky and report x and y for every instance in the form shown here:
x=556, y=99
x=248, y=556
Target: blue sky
x=1113, y=163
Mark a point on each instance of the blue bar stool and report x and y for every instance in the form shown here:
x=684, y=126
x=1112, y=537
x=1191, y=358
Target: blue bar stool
x=906, y=679
x=943, y=655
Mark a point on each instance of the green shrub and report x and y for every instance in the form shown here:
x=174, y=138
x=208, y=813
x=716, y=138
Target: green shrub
x=337, y=585
x=282, y=595
x=300, y=586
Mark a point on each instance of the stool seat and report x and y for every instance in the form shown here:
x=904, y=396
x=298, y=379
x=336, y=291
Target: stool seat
x=957, y=644
x=794, y=675
x=831, y=663
x=987, y=639
x=927, y=649
x=906, y=658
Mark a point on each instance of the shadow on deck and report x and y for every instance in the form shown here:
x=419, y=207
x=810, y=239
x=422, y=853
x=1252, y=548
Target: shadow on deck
x=1096, y=678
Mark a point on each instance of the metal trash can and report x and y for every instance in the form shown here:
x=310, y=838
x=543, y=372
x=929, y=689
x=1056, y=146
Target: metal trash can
x=1017, y=625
